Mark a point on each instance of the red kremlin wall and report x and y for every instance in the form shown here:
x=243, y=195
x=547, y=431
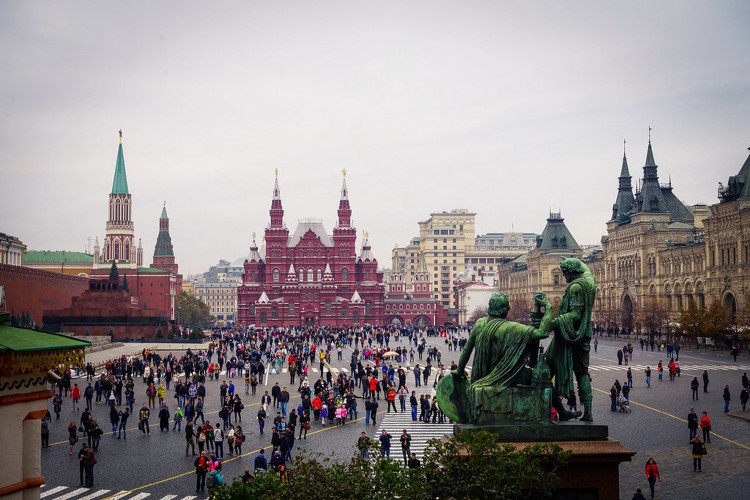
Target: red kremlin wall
x=34, y=291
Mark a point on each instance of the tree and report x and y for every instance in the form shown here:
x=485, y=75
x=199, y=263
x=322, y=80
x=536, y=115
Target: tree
x=519, y=310
x=477, y=314
x=469, y=465
x=692, y=321
x=717, y=323
x=191, y=312
x=114, y=275
x=653, y=314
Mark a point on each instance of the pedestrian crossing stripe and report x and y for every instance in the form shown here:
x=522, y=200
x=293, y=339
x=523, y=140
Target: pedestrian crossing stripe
x=74, y=494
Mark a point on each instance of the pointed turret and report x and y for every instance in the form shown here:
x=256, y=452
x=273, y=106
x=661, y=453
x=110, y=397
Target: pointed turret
x=625, y=200
x=277, y=211
x=327, y=274
x=119, y=241
x=163, y=240
x=344, y=212
x=120, y=182
x=366, y=254
x=291, y=275
x=650, y=198
x=254, y=255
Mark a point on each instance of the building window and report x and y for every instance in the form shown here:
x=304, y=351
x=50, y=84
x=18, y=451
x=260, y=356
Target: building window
x=291, y=307
x=328, y=307
x=275, y=312
x=310, y=275
x=263, y=318
x=355, y=317
x=320, y=275
x=276, y=274
x=344, y=311
x=344, y=274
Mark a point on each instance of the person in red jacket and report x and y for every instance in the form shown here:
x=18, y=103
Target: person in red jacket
x=652, y=473
x=75, y=394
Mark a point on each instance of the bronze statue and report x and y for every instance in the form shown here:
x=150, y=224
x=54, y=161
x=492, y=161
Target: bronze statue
x=568, y=353
x=502, y=388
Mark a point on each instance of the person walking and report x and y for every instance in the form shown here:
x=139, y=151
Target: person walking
x=405, y=446
x=385, y=444
x=744, y=396
x=727, y=397
x=219, y=441
x=694, y=387
x=652, y=474
x=648, y=377
x=189, y=438
x=693, y=423
x=201, y=469
x=261, y=419
x=698, y=450
x=705, y=380
x=363, y=445
x=90, y=462
x=143, y=416
x=706, y=427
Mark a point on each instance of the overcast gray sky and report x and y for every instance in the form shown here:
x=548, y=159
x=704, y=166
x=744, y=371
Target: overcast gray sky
x=505, y=108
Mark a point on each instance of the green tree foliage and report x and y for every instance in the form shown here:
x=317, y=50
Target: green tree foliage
x=476, y=315
x=114, y=275
x=191, y=312
x=471, y=465
x=693, y=321
x=717, y=324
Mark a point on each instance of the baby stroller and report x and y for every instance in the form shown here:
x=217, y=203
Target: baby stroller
x=623, y=405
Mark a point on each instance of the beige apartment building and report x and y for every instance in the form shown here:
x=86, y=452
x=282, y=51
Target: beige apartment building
x=449, y=244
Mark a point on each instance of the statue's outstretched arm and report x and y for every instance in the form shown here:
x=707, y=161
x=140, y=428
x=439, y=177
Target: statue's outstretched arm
x=546, y=324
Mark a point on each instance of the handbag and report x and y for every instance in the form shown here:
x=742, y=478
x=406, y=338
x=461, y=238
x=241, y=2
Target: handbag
x=306, y=426
x=704, y=450
x=80, y=428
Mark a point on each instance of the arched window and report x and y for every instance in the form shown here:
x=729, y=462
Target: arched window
x=276, y=274
x=301, y=275
x=310, y=274
x=291, y=307
x=263, y=318
x=344, y=274
x=320, y=274
x=328, y=307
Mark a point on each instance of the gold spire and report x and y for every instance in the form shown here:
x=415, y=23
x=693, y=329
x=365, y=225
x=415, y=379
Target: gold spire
x=253, y=235
x=343, y=172
x=276, y=171
x=395, y=246
x=120, y=136
x=366, y=234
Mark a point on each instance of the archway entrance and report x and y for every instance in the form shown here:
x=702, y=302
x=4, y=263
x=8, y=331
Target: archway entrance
x=627, y=313
x=730, y=307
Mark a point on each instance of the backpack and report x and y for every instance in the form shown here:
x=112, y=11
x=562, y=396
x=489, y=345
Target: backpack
x=211, y=481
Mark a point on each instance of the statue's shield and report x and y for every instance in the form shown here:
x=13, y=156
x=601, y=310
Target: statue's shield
x=452, y=394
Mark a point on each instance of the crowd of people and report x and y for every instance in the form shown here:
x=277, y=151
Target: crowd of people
x=240, y=359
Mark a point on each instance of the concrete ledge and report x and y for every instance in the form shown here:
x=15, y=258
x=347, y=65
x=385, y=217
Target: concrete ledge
x=739, y=415
x=532, y=432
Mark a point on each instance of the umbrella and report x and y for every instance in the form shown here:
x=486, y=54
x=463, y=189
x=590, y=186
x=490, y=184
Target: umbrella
x=390, y=353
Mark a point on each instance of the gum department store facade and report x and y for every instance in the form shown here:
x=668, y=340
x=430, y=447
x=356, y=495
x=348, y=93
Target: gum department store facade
x=657, y=250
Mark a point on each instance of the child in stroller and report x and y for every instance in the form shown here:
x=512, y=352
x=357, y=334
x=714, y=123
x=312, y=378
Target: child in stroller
x=623, y=405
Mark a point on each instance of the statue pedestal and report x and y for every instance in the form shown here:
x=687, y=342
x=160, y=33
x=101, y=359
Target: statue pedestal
x=541, y=433
x=593, y=471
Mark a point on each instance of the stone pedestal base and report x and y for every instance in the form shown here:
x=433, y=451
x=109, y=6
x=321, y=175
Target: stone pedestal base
x=548, y=432
x=593, y=471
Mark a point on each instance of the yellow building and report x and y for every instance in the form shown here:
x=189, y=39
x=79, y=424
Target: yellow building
x=449, y=244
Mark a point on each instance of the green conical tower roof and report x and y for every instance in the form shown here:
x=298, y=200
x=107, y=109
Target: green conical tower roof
x=120, y=182
x=164, y=211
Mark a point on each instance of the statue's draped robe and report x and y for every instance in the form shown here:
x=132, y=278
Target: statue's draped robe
x=569, y=349
x=500, y=353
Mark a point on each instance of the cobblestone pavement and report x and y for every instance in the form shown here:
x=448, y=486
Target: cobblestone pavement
x=155, y=466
